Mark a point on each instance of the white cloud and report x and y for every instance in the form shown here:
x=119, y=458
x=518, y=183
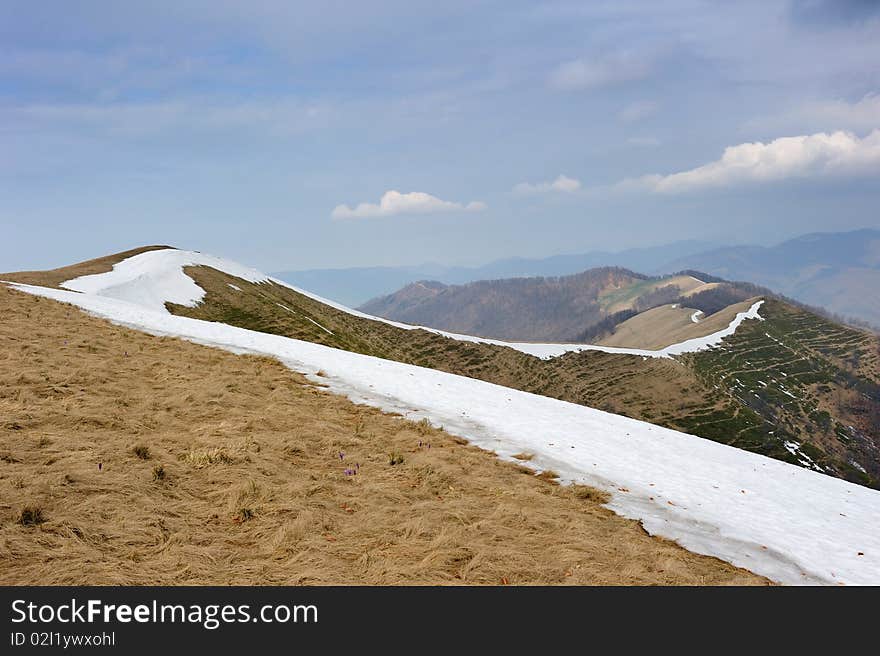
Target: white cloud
x=562, y=184
x=861, y=115
x=600, y=71
x=415, y=202
x=806, y=156
x=638, y=110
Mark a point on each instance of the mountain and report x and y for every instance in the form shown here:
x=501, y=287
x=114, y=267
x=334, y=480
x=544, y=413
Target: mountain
x=776, y=380
x=525, y=309
x=355, y=286
x=836, y=271
x=576, y=308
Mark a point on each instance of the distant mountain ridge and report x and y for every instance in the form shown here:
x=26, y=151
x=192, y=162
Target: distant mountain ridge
x=583, y=307
x=356, y=286
x=836, y=271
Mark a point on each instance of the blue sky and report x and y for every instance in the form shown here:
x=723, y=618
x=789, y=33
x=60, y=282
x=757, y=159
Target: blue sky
x=296, y=135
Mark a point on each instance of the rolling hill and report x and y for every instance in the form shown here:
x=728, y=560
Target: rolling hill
x=777, y=380
x=526, y=309
x=583, y=307
x=355, y=286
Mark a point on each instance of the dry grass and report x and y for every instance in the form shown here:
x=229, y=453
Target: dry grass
x=661, y=326
x=656, y=390
x=257, y=477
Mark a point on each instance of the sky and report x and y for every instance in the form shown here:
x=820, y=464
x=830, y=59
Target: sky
x=292, y=135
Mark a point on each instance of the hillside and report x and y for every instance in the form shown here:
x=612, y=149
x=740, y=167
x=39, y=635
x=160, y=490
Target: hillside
x=357, y=285
x=836, y=271
x=664, y=392
x=656, y=475
x=530, y=309
x=156, y=461
x=696, y=398
x=669, y=324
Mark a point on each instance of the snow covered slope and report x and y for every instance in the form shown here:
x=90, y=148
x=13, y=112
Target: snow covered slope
x=788, y=523
x=154, y=277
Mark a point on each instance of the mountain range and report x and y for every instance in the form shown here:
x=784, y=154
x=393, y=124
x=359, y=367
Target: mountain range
x=355, y=286
x=586, y=306
x=836, y=271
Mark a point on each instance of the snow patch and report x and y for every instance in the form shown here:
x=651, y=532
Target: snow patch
x=319, y=325
x=153, y=278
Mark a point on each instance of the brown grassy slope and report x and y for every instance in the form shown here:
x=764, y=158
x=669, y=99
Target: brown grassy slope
x=54, y=277
x=662, y=391
x=662, y=326
x=692, y=394
x=254, y=490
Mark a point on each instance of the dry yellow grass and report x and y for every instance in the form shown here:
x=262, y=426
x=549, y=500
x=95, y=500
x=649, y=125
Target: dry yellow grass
x=241, y=479
x=659, y=327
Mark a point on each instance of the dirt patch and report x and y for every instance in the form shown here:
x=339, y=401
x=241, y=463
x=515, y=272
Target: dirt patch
x=255, y=476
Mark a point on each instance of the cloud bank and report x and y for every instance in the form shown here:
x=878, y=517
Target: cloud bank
x=562, y=184
x=806, y=156
x=415, y=202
